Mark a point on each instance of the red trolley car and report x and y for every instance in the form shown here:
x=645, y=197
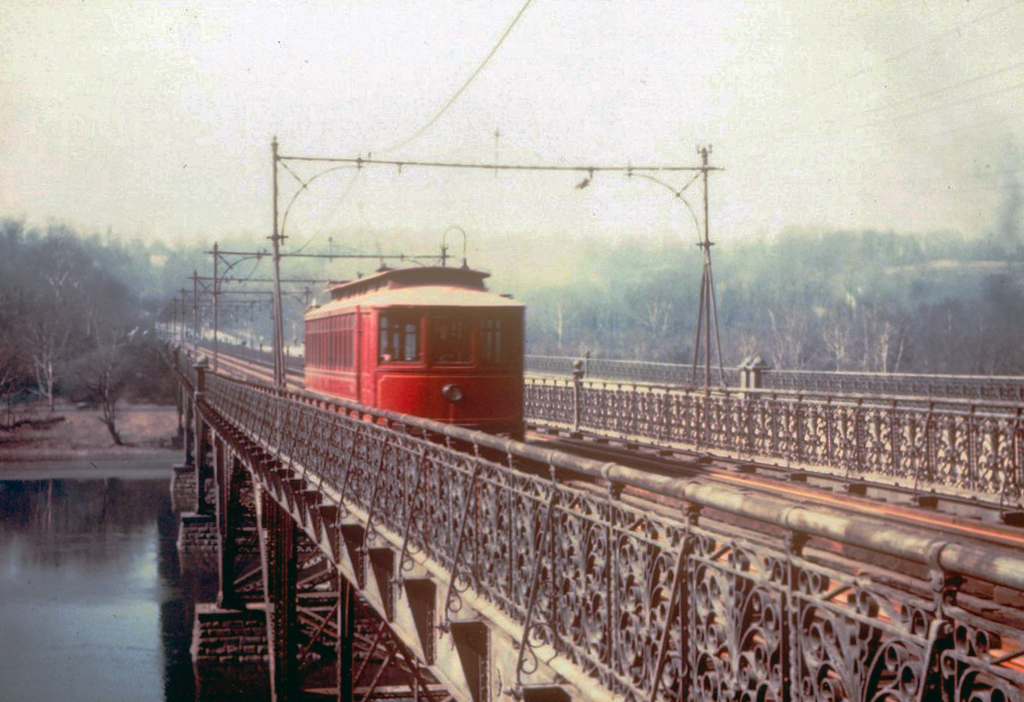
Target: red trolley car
x=431, y=341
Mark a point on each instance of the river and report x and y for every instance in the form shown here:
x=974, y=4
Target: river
x=93, y=605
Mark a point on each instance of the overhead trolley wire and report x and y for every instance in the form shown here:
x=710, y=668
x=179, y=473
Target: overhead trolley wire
x=833, y=124
x=929, y=44
x=433, y=120
x=951, y=86
x=462, y=88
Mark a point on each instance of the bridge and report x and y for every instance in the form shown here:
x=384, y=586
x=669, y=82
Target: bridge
x=363, y=554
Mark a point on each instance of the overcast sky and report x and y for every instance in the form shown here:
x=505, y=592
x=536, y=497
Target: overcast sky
x=154, y=119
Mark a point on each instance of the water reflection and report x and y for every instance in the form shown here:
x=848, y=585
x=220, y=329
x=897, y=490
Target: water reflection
x=92, y=604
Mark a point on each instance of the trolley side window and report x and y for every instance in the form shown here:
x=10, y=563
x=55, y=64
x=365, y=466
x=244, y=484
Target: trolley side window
x=399, y=337
x=347, y=342
x=450, y=340
x=312, y=339
x=493, y=341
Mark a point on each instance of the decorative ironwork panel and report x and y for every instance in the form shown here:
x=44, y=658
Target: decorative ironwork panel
x=928, y=445
x=966, y=387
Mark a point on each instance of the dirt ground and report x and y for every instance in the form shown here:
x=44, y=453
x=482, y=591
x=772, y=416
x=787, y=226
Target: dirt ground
x=72, y=434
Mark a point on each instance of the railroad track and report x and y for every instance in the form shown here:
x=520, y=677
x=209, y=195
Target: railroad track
x=250, y=369
x=804, y=488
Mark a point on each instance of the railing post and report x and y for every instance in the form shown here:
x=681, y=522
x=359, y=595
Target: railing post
x=578, y=373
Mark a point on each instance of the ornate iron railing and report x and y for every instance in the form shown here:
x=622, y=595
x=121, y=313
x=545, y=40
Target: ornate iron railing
x=948, y=446
x=968, y=387
x=628, y=371
x=655, y=606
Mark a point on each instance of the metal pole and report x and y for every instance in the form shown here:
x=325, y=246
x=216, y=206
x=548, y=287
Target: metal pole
x=195, y=309
x=216, y=311
x=705, y=282
x=278, y=314
x=181, y=329
x=174, y=317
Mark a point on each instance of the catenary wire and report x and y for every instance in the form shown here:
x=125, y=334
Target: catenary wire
x=462, y=88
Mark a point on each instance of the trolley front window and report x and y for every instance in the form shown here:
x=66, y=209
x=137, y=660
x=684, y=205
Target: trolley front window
x=399, y=337
x=450, y=341
x=493, y=341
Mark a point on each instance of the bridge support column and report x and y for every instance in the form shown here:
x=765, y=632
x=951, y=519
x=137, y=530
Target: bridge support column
x=229, y=477
x=280, y=573
x=188, y=425
x=204, y=472
x=344, y=644
x=203, y=469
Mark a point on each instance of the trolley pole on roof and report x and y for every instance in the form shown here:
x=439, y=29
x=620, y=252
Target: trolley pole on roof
x=278, y=313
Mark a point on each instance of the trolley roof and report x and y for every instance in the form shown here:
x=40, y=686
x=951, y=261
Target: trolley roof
x=415, y=287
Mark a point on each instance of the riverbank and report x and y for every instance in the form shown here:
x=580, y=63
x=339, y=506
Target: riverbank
x=78, y=441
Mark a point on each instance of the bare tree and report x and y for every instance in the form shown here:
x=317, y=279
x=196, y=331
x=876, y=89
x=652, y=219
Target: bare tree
x=883, y=338
x=104, y=375
x=838, y=331
x=790, y=332
x=46, y=336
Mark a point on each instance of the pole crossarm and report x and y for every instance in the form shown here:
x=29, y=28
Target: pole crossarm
x=295, y=281
x=361, y=162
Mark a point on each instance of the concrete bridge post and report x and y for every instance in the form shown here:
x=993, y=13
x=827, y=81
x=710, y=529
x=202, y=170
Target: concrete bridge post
x=578, y=373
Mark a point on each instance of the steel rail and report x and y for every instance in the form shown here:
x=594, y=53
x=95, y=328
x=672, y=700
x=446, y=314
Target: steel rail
x=799, y=491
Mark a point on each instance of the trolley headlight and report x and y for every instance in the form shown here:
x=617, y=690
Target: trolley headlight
x=452, y=392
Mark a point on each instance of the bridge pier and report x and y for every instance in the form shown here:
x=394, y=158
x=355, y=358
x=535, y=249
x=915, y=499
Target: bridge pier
x=198, y=547
x=229, y=653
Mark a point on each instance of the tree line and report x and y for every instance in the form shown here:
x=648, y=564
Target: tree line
x=76, y=310
x=848, y=301
x=72, y=328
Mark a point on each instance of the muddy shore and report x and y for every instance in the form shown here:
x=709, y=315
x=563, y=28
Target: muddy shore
x=71, y=442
